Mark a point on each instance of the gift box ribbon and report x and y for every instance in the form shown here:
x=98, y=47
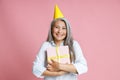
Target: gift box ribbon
x=58, y=56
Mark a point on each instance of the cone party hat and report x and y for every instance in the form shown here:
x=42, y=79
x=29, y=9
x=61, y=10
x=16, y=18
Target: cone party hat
x=57, y=13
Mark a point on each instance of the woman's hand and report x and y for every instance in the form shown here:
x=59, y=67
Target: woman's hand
x=53, y=66
x=56, y=67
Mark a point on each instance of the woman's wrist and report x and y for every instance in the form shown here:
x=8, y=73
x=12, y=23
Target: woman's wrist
x=61, y=66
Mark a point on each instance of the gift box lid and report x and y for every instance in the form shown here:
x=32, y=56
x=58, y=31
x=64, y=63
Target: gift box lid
x=59, y=54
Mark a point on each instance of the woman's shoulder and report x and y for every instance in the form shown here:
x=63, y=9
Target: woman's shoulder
x=75, y=42
x=45, y=43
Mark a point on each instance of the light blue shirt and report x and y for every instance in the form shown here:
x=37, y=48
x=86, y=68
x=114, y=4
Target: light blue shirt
x=39, y=65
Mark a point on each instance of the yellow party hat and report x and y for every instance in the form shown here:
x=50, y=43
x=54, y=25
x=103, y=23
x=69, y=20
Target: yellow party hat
x=57, y=13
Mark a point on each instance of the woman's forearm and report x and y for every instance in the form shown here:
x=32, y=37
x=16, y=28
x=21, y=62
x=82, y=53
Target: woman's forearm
x=61, y=67
x=49, y=73
x=68, y=68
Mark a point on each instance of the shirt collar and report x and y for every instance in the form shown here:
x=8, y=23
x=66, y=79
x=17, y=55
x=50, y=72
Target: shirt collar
x=53, y=43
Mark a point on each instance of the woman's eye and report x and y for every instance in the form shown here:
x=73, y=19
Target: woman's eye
x=63, y=28
x=56, y=27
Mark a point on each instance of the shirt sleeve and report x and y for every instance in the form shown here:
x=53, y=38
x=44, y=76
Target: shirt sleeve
x=39, y=63
x=80, y=62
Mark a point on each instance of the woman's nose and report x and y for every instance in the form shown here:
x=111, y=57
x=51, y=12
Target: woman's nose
x=60, y=30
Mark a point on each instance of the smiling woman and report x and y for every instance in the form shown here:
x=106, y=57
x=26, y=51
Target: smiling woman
x=59, y=32
x=60, y=35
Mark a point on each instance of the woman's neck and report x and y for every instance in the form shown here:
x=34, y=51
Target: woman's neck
x=58, y=43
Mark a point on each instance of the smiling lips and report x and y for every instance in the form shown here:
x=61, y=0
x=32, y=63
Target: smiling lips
x=59, y=35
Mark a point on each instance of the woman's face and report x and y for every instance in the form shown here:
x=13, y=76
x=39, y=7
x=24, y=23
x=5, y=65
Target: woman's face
x=59, y=31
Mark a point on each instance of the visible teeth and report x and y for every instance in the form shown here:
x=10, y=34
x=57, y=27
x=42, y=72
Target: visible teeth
x=59, y=35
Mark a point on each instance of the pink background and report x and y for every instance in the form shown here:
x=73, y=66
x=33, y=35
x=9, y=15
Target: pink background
x=24, y=26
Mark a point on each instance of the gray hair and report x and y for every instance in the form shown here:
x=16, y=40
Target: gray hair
x=68, y=39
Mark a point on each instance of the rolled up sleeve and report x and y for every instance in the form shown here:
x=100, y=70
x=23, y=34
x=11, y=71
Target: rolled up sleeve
x=80, y=62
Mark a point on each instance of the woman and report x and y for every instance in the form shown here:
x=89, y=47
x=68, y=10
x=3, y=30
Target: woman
x=60, y=35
